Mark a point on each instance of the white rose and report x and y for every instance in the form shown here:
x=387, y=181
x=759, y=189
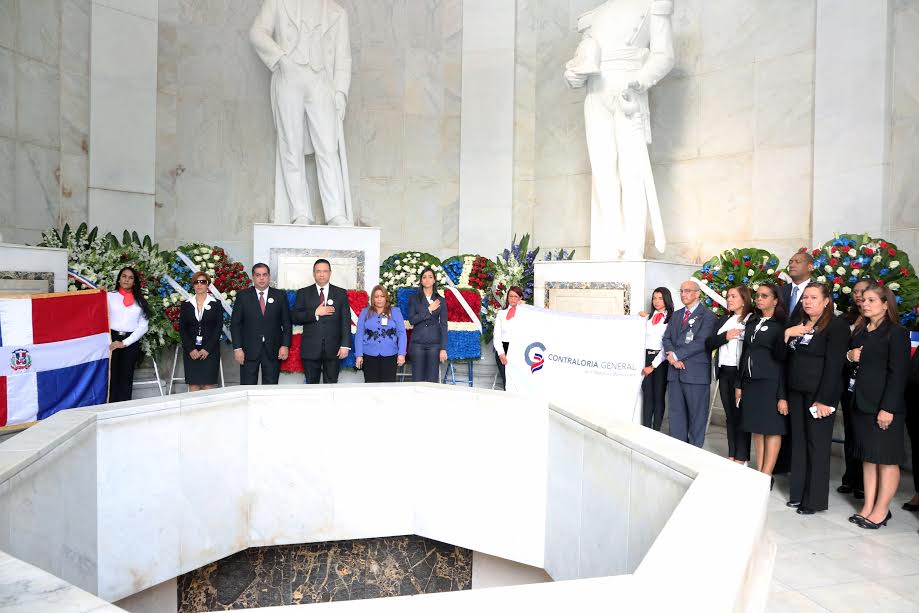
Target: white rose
x=751, y=272
x=771, y=271
x=165, y=302
x=847, y=290
x=821, y=279
x=876, y=259
x=836, y=287
x=894, y=264
x=828, y=268
x=233, y=293
x=724, y=293
x=841, y=270
x=852, y=253
x=755, y=287
x=197, y=258
x=893, y=286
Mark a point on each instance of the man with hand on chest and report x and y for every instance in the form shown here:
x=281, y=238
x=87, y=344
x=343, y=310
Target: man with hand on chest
x=324, y=312
x=261, y=329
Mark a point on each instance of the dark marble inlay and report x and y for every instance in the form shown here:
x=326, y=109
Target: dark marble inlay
x=325, y=572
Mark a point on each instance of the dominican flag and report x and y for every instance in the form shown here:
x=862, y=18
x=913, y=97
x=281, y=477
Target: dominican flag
x=913, y=342
x=54, y=354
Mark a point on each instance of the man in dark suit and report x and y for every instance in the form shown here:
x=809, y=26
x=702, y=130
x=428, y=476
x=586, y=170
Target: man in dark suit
x=261, y=329
x=800, y=269
x=325, y=314
x=690, y=376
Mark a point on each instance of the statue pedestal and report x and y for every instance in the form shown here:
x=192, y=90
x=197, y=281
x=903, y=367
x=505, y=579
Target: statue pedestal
x=291, y=250
x=32, y=270
x=606, y=287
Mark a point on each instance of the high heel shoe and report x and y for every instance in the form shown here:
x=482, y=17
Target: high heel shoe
x=772, y=484
x=908, y=506
x=856, y=518
x=867, y=524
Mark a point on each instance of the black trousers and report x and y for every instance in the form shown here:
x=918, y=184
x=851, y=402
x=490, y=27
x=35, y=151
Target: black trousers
x=854, y=476
x=912, y=427
x=738, y=439
x=811, y=440
x=654, y=393
x=379, y=368
x=501, y=369
x=270, y=366
x=121, y=374
x=425, y=362
x=327, y=365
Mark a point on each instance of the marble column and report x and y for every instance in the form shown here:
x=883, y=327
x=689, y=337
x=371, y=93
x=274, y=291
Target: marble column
x=851, y=117
x=123, y=115
x=487, y=129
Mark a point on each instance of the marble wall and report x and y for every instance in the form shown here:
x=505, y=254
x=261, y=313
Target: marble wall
x=326, y=572
x=44, y=115
x=215, y=134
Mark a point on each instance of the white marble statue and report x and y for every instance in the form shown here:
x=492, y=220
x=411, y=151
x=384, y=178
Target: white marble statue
x=306, y=46
x=626, y=48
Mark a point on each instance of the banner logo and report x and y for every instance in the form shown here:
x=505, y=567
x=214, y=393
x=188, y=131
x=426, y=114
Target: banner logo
x=533, y=356
x=20, y=360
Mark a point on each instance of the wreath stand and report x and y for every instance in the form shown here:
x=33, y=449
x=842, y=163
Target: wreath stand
x=450, y=373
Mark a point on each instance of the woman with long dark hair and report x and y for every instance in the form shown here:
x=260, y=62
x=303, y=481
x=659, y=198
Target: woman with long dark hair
x=815, y=342
x=880, y=346
x=504, y=330
x=427, y=312
x=852, y=478
x=654, y=385
x=129, y=316
x=761, y=379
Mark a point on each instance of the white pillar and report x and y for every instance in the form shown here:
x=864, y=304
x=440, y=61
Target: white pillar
x=851, y=118
x=122, y=154
x=487, y=129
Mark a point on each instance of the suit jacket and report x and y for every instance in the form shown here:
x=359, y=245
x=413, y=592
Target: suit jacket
x=817, y=367
x=694, y=356
x=211, y=326
x=334, y=329
x=763, y=354
x=250, y=328
x=277, y=30
x=428, y=328
x=883, y=368
x=785, y=296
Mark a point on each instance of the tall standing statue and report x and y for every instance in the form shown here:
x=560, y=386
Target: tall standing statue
x=626, y=48
x=306, y=46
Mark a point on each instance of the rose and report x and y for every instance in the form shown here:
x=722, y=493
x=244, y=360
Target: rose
x=735, y=262
x=880, y=281
x=841, y=270
x=894, y=286
x=869, y=251
x=836, y=287
x=882, y=244
x=833, y=261
x=751, y=272
x=892, y=251
x=894, y=264
x=847, y=290
x=821, y=279
x=904, y=271
x=852, y=253
x=828, y=268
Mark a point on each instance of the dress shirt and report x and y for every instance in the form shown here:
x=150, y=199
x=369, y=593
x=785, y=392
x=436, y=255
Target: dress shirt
x=729, y=354
x=194, y=302
x=691, y=309
x=653, y=335
x=126, y=319
x=324, y=292
x=504, y=331
x=800, y=286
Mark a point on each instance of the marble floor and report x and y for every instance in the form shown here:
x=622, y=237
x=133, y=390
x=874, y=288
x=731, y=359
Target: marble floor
x=826, y=564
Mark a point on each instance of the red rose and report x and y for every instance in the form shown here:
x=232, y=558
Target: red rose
x=880, y=281
x=735, y=262
x=837, y=280
x=869, y=251
x=883, y=244
x=856, y=265
x=747, y=264
x=904, y=271
x=814, y=252
x=833, y=261
x=892, y=251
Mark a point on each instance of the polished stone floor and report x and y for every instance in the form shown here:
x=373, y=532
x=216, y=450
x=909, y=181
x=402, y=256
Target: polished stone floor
x=826, y=564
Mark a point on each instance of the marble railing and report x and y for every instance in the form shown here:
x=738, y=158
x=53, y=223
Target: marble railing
x=114, y=500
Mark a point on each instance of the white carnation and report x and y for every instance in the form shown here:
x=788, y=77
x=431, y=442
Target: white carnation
x=821, y=279
x=751, y=272
x=841, y=270
x=836, y=287
x=893, y=286
x=847, y=290
x=894, y=264
x=828, y=268
x=852, y=253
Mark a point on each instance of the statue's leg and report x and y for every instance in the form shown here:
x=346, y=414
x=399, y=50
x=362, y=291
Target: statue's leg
x=631, y=136
x=287, y=107
x=606, y=240
x=323, y=123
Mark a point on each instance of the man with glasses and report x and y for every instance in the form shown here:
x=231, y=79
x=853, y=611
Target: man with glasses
x=689, y=376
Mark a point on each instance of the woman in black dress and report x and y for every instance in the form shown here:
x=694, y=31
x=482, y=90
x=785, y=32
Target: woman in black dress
x=200, y=325
x=761, y=384
x=815, y=345
x=880, y=347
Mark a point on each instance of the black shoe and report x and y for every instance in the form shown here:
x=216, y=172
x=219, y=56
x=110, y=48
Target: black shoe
x=772, y=483
x=855, y=518
x=844, y=489
x=908, y=506
x=805, y=511
x=867, y=524
x=859, y=495
x=792, y=504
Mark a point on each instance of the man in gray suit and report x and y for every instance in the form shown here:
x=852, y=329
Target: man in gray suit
x=690, y=375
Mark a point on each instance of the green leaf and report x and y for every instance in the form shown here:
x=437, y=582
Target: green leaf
x=125, y=238
x=93, y=233
x=135, y=238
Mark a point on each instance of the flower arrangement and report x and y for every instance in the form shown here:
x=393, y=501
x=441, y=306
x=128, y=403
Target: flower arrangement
x=561, y=254
x=470, y=270
x=515, y=266
x=842, y=261
x=89, y=254
x=733, y=267
x=404, y=270
x=464, y=341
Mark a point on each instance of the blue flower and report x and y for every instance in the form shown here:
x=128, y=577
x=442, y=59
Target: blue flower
x=835, y=295
x=731, y=277
x=846, y=261
x=899, y=299
x=884, y=271
x=746, y=258
x=853, y=279
x=773, y=262
x=836, y=241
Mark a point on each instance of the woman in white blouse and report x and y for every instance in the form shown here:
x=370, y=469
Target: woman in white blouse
x=128, y=315
x=729, y=343
x=504, y=330
x=654, y=385
x=200, y=327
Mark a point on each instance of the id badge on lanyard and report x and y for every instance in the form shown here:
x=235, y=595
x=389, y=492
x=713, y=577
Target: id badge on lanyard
x=199, y=339
x=689, y=336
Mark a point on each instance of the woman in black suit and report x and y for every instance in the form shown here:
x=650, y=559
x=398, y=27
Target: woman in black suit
x=200, y=324
x=761, y=382
x=728, y=341
x=815, y=343
x=427, y=311
x=880, y=347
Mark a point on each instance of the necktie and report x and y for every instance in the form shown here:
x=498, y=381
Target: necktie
x=794, y=298
x=321, y=296
x=657, y=318
x=685, y=318
x=261, y=301
x=511, y=312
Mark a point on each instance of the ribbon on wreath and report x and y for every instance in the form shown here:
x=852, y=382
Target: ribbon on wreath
x=80, y=278
x=211, y=288
x=462, y=301
x=710, y=293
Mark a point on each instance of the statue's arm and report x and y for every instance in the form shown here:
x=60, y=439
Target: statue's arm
x=662, y=58
x=342, y=78
x=261, y=35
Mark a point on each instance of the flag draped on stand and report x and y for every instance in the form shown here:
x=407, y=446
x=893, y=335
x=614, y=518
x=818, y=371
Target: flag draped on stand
x=54, y=354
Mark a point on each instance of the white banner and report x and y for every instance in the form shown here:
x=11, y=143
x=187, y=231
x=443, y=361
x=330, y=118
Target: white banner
x=589, y=365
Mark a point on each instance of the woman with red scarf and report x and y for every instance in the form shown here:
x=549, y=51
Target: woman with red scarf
x=504, y=326
x=128, y=315
x=654, y=386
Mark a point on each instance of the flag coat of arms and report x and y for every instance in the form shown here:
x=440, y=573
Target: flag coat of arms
x=54, y=354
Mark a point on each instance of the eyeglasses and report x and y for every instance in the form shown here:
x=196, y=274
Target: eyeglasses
x=689, y=291
x=201, y=282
